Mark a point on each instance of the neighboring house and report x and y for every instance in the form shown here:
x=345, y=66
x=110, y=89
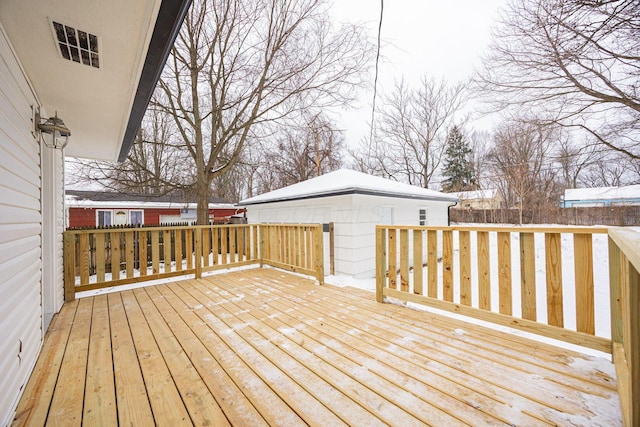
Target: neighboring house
x=355, y=202
x=94, y=64
x=99, y=208
x=601, y=196
x=479, y=199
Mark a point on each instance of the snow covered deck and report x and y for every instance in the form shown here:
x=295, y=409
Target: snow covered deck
x=265, y=347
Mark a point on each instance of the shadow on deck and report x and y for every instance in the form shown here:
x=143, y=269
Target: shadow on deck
x=265, y=347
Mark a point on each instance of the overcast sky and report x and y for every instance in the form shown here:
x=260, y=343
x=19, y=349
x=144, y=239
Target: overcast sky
x=436, y=37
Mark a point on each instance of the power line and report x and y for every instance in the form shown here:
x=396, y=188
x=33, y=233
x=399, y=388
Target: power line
x=375, y=78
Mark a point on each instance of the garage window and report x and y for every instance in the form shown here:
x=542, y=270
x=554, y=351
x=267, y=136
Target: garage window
x=422, y=216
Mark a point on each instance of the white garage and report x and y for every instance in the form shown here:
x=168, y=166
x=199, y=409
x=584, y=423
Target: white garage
x=355, y=202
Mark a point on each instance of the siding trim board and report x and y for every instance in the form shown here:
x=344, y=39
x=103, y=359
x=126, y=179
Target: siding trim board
x=52, y=229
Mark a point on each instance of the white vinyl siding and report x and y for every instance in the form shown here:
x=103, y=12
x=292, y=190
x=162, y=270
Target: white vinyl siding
x=386, y=215
x=20, y=233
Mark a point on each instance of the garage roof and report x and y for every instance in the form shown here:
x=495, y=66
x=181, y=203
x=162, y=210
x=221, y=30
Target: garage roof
x=602, y=193
x=345, y=181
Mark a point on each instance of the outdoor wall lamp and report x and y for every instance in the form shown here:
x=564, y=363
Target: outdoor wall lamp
x=53, y=131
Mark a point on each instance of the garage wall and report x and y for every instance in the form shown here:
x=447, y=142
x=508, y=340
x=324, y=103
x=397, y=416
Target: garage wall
x=368, y=212
x=355, y=217
x=311, y=211
x=21, y=322
x=407, y=212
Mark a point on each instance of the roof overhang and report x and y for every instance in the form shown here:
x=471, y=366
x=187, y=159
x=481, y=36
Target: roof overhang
x=445, y=199
x=103, y=107
x=70, y=202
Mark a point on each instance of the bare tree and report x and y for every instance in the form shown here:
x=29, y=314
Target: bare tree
x=411, y=130
x=240, y=65
x=578, y=61
x=233, y=184
x=611, y=169
x=521, y=165
x=305, y=151
x=153, y=165
x=481, y=144
x=574, y=159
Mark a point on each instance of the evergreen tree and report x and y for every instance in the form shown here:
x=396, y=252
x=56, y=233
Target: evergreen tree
x=458, y=168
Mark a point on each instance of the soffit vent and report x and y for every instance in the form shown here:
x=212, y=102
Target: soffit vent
x=77, y=45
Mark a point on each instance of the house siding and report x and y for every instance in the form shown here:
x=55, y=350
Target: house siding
x=86, y=217
x=21, y=330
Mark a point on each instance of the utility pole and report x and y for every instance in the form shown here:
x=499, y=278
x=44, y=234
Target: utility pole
x=316, y=138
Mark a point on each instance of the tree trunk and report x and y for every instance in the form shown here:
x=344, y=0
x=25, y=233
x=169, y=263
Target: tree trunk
x=202, y=194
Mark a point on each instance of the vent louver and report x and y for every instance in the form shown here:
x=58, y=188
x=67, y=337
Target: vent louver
x=77, y=45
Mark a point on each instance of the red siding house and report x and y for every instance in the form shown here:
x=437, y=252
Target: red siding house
x=99, y=209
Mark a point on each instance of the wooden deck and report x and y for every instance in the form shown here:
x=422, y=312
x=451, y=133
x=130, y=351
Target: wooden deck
x=265, y=347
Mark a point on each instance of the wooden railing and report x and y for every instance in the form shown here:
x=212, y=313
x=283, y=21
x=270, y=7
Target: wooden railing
x=624, y=263
x=418, y=264
x=95, y=259
x=297, y=248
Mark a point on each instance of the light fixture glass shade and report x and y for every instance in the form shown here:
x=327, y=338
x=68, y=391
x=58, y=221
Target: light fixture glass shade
x=54, y=132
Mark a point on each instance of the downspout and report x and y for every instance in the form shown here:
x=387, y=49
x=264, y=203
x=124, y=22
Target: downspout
x=449, y=213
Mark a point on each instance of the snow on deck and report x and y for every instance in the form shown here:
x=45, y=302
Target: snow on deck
x=265, y=347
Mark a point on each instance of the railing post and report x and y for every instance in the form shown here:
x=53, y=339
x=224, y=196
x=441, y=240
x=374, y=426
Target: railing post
x=198, y=248
x=381, y=262
x=262, y=243
x=318, y=250
x=69, y=254
x=505, y=297
x=332, y=258
x=624, y=264
x=632, y=342
x=615, y=264
x=447, y=265
x=404, y=260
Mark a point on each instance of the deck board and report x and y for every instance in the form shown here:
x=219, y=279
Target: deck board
x=68, y=396
x=166, y=403
x=34, y=405
x=213, y=374
x=100, y=398
x=134, y=408
x=265, y=347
